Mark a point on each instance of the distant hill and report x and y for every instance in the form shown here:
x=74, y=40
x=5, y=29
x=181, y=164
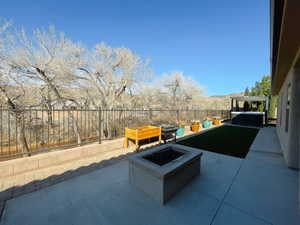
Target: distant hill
x=228, y=95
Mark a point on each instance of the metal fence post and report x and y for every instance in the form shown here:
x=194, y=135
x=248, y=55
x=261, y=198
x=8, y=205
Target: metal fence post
x=177, y=115
x=99, y=125
x=1, y=130
x=44, y=136
x=150, y=114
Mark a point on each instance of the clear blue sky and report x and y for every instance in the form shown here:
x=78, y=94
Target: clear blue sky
x=223, y=44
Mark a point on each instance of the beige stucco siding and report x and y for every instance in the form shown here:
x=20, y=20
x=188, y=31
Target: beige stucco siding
x=289, y=138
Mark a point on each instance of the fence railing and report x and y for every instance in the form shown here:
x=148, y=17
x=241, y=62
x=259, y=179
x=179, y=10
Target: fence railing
x=35, y=130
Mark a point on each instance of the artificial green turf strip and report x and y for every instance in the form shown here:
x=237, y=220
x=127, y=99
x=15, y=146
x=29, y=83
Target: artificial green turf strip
x=228, y=140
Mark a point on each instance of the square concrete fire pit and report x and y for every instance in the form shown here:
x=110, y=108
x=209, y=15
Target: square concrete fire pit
x=164, y=170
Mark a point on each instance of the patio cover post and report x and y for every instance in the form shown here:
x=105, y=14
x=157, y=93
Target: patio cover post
x=266, y=110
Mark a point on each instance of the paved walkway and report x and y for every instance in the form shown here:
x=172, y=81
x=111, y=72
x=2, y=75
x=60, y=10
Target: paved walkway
x=266, y=141
x=257, y=190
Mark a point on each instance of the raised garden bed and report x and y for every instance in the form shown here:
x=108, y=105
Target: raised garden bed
x=138, y=134
x=195, y=126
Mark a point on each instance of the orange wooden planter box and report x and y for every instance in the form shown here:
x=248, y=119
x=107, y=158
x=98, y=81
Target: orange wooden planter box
x=195, y=127
x=141, y=133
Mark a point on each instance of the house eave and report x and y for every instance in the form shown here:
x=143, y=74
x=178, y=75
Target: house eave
x=285, y=39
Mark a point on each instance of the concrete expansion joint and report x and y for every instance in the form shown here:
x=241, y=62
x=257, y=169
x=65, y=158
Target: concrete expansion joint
x=2, y=207
x=249, y=214
x=223, y=200
x=229, y=188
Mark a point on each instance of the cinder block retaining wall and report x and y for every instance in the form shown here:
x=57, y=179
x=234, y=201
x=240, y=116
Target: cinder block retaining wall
x=22, y=165
x=24, y=175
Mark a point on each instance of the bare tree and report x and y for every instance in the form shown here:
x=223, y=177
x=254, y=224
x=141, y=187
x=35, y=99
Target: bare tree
x=46, y=69
x=47, y=59
x=151, y=96
x=4, y=25
x=181, y=89
x=111, y=73
x=15, y=99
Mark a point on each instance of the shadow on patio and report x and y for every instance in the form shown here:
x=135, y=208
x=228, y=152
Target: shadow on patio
x=259, y=189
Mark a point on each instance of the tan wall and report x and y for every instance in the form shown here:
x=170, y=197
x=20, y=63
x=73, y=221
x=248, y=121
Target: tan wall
x=24, y=175
x=289, y=140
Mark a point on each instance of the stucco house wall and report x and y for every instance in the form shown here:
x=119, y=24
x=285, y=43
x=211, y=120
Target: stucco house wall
x=281, y=115
x=288, y=129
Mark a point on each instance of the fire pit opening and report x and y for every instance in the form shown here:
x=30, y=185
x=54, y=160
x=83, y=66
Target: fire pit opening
x=164, y=156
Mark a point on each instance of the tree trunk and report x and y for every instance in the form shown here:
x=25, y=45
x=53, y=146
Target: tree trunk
x=109, y=124
x=49, y=113
x=20, y=120
x=75, y=128
x=22, y=138
x=62, y=101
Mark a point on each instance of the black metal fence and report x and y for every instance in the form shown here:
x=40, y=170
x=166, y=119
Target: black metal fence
x=34, y=130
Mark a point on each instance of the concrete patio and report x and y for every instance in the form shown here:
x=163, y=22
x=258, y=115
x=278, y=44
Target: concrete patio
x=259, y=189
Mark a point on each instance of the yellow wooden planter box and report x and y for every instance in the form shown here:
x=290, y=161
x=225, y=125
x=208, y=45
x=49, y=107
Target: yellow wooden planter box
x=141, y=133
x=217, y=122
